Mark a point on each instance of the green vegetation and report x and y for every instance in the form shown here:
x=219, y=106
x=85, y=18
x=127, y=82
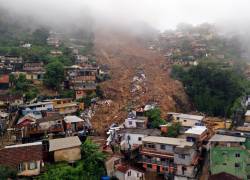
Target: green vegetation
x=213, y=87
x=54, y=75
x=7, y=173
x=173, y=130
x=91, y=167
x=154, y=116
x=22, y=86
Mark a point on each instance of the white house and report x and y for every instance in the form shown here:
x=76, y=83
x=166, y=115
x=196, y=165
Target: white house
x=132, y=138
x=136, y=122
x=128, y=173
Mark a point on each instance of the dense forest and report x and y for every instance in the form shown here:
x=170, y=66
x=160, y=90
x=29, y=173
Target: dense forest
x=213, y=88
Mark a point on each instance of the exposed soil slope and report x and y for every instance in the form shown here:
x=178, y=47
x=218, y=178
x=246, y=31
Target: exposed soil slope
x=125, y=54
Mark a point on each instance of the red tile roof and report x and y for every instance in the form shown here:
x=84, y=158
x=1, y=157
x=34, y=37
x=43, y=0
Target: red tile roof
x=4, y=78
x=23, y=153
x=122, y=168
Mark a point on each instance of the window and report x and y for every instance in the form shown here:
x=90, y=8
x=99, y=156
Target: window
x=129, y=173
x=149, y=166
x=151, y=146
x=163, y=146
x=182, y=156
x=139, y=138
x=237, y=165
x=20, y=167
x=32, y=165
x=138, y=174
x=185, y=120
x=237, y=155
x=130, y=122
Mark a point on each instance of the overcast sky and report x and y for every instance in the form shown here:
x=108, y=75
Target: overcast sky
x=162, y=14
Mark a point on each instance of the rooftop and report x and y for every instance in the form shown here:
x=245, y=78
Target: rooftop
x=196, y=130
x=167, y=140
x=38, y=104
x=64, y=143
x=187, y=116
x=225, y=138
x=4, y=78
x=23, y=145
x=247, y=113
x=152, y=132
x=72, y=119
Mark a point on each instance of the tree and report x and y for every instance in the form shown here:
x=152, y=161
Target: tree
x=154, y=116
x=7, y=173
x=91, y=167
x=54, y=75
x=173, y=130
x=40, y=36
x=213, y=88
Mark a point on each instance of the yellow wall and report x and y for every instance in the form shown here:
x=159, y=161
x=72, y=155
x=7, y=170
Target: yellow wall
x=70, y=154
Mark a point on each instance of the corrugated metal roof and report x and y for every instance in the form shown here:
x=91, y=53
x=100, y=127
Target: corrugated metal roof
x=196, y=130
x=64, y=143
x=72, y=119
x=225, y=138
x=167, y=140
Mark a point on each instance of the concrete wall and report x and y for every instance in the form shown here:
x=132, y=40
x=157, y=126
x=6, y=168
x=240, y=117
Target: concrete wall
x=134, y=138
x=189, y=172
x=187, y=160
x=70, y=154
x=168, y=148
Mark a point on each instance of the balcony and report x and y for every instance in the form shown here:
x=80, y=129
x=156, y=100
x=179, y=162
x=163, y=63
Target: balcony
x=154, y=161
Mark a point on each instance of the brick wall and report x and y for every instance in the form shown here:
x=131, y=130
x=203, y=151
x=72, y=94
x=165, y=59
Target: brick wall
x=14, y=156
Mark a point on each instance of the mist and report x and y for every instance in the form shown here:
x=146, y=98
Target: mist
x=160, y=14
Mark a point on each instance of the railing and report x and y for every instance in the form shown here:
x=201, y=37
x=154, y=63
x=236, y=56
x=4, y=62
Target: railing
x=153, y=161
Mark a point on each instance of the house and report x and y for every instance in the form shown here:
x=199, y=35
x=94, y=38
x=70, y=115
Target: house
x=124, y=172
x=30, y=67
x=196, y=134
x=65, y=149
x=7, y=100
x=56, y=53
x=74, y=124
x=136, y=122
x=187, y=120
x=39, y=106
x=158, y=153
x=52, y=125
x=4, y=82
x=52, y=41
x=81, y=60
x=65, y=106
x=27, y=159
x=26, y=120
x=81, y=79
x=229, y=154
x=11, y=63
x=27, y=45
x=186, y=160
x=132, y=138
x=36, y=113
x=34, y=72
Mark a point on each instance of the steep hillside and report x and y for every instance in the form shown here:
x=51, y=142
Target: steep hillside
x=126, y=55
